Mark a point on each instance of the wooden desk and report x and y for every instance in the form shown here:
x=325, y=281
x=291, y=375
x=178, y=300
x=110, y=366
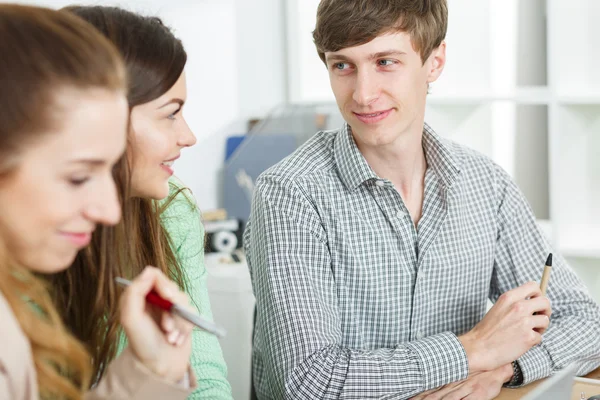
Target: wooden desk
x=589, y=389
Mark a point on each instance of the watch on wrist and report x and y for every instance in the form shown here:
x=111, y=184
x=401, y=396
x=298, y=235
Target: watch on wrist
x=517, y=378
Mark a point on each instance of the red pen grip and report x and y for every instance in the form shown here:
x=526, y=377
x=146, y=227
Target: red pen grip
x=155, y=299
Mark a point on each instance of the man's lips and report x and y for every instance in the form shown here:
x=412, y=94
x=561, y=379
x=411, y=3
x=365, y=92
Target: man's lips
x=373, y=117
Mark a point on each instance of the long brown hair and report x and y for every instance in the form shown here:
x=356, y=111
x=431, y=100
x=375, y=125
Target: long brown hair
x=86, y=294
x=44, y=51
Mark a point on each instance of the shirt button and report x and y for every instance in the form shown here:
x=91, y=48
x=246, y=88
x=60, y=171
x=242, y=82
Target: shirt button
x=380, y=183
x=400, y=214
x=419, y=335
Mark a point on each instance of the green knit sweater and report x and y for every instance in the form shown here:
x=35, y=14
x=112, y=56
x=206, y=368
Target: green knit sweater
x=182, y=220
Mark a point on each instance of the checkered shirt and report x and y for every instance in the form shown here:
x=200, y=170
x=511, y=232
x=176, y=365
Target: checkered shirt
x=354, y=302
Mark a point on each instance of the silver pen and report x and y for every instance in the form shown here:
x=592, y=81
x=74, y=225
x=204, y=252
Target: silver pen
x=164, y=304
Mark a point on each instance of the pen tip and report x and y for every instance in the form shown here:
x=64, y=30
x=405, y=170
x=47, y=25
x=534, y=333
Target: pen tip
x=549, y=260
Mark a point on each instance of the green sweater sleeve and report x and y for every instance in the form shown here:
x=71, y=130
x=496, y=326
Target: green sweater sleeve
x=182, y=220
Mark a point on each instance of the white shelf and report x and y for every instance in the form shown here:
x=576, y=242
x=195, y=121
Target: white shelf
x=581, y=98
x=463, y=123
x=589, y=253
x=574, y=57
x=576, y=176
x=535, y=95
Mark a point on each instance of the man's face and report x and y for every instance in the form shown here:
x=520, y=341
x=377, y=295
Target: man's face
x=380, y=87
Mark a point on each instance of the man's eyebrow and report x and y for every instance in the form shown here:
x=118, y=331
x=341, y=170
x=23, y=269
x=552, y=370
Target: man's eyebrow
x=379, y=54
x=387, y=53
x=338, y=57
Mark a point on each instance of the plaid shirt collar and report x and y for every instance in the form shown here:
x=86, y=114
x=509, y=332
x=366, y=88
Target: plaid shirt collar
x=354, y=169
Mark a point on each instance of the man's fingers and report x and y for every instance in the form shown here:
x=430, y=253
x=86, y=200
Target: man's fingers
x=540, y=323
x=538, y=305
x=458, y=393
x=528, y=290
x=423, y=395
x=439, y=394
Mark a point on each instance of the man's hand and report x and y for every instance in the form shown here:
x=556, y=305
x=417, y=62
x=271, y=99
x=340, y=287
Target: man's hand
x=508, y=330
x=482, y=386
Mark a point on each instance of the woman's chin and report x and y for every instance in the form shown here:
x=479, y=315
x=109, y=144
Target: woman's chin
x=158, y=191
x=53, y=265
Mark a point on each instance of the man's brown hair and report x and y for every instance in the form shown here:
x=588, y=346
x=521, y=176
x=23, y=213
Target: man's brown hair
x=348, y=23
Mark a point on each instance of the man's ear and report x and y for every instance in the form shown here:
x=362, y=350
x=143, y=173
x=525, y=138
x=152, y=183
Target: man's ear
x=436, y=62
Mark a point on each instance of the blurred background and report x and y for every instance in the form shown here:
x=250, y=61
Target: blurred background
x=520, y=85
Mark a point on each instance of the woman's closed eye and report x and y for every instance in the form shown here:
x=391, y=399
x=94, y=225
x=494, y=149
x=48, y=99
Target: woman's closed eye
x=79, y=180
x=172, y=116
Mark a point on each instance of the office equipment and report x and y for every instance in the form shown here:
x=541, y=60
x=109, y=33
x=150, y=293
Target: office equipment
x=557, y=387
x=270, y=140
x=223, y=235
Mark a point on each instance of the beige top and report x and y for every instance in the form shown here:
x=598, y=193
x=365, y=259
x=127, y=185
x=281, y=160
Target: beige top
x=125, y=378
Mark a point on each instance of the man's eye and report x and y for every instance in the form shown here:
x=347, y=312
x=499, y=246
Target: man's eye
x=386, y=63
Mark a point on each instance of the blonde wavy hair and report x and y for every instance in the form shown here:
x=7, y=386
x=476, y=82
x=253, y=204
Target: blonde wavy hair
x=44, y=50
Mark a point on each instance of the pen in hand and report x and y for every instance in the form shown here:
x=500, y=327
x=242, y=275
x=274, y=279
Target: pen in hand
x=546, y=274
x=155, y=299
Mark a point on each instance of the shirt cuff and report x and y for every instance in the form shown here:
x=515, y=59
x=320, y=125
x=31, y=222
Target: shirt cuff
x=442, y=359
x=535, y=364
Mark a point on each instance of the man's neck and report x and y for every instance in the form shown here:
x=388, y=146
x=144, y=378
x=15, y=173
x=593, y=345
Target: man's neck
x=402, y=162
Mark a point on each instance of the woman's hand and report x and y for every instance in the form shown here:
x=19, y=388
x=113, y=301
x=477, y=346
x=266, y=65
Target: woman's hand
x=160, y=341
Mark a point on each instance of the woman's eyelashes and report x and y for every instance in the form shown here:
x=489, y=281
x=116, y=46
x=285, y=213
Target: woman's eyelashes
x=173, y=114
x=78, y=181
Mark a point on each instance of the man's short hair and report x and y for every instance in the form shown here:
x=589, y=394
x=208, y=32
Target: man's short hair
x=348, y=23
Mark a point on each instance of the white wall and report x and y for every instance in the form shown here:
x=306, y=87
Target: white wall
x=310, y=81
x=260, y=41
x=236, y=70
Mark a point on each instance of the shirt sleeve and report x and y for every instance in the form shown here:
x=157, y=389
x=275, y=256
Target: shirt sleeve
x=6, y=391
x=128, y=379
x=182, y=220
x=521, y=251
x=298, y=328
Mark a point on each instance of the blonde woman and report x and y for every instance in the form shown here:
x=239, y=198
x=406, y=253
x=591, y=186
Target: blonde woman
x=64, y=113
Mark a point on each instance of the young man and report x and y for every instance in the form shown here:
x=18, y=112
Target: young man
x=374, y=248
